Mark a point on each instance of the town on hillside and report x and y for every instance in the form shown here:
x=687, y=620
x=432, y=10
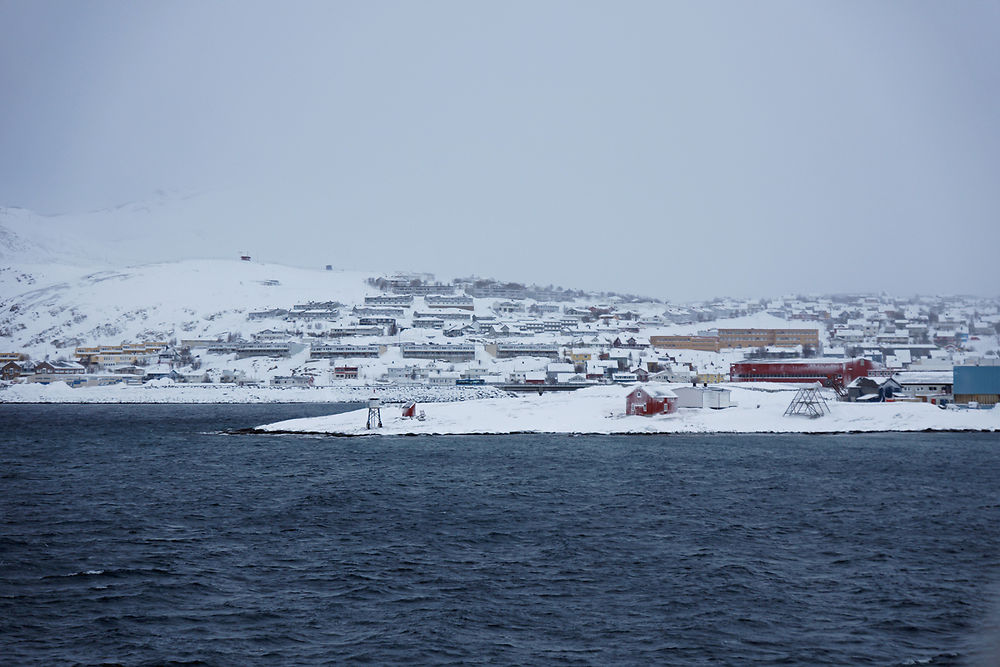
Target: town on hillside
x=409, y=329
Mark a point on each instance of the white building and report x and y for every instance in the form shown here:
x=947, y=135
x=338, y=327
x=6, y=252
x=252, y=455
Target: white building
x=291, y=381
x=703, y=397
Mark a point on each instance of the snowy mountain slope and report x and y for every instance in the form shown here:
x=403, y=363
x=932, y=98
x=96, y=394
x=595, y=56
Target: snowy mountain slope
x=58, y=306
x=163, y=228
x=25, y=238
x=62, y=281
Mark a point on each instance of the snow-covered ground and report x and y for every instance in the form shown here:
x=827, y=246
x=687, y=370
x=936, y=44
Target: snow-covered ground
x=168, y=392
x=760, y=409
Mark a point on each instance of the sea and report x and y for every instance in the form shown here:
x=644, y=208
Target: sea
x=151, y=535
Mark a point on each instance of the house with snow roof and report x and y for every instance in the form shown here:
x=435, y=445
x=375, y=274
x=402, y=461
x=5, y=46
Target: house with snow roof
x=649, y=400
x=874, y=389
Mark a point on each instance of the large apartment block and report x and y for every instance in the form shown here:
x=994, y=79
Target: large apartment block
x=442, y=352
x=704, y=343
x=765, y=337
x=511, y=350
x=345, y=351
x=119, y=355
x=752, y=338
x=438, y=301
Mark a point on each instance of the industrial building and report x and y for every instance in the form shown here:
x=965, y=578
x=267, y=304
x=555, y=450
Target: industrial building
x=978, y=384
x=824, y=371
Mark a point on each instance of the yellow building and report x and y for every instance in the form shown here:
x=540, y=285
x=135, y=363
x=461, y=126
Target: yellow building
x=764, y=337
x=118, y=355
x=704, y=343
x=85, y=355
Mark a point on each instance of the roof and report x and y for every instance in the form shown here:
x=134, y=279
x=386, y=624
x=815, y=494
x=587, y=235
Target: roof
x=701, y=389
x=872, y=381
x=655, y=391
x=67, y=365
x=816, y=360
x=924, y=377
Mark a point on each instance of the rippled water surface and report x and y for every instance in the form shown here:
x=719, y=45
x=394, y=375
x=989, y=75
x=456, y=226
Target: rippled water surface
x=141, y=535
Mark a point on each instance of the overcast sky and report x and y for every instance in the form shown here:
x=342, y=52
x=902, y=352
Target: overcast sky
x=681, y=149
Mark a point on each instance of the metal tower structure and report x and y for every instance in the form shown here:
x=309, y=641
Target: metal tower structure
x=808, y=402
x=374, y=412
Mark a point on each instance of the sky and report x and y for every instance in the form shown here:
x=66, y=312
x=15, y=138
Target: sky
x=675, y=149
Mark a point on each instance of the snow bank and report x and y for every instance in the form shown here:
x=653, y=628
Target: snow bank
x=759, y=409
x=167, y=392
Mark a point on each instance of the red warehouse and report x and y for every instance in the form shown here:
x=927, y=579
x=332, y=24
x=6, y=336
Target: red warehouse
x=650, y=401
x=823, y=371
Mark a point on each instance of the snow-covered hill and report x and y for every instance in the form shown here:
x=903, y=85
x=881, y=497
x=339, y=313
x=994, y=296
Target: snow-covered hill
x=109, y=276
x=166, y=227
x=50, y=307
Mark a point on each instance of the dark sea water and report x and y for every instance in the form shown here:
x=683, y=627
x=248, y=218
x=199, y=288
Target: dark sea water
x=142, y=535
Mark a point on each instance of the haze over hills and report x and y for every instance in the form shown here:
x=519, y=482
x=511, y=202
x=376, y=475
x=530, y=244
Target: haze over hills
x=163, y=267
x=101, y=278
x=98, y=287
x=166, y=227
x=170, y=268
x=304, y=230
x=230, y=222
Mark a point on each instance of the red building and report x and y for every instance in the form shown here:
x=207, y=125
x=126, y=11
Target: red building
x=844, y=371
x=10, y=370
x=647, y=400
x=345, y=372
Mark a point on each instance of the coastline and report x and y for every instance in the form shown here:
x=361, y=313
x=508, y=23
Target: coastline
x=574, y=434
x=186, y=394
x=601, y=411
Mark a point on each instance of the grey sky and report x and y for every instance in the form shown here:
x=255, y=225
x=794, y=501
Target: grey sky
x=675, y=149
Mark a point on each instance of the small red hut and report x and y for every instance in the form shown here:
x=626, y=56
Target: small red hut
x=650, y=401
x=410, y=409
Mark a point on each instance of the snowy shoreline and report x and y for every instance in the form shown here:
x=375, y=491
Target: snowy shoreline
x=483, y=410
x=600, y=411
x=182, y=394
x=575, y=434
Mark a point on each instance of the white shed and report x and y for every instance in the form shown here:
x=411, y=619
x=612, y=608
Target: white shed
x=689, y=397
x=702, y=397
x=717, y=398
